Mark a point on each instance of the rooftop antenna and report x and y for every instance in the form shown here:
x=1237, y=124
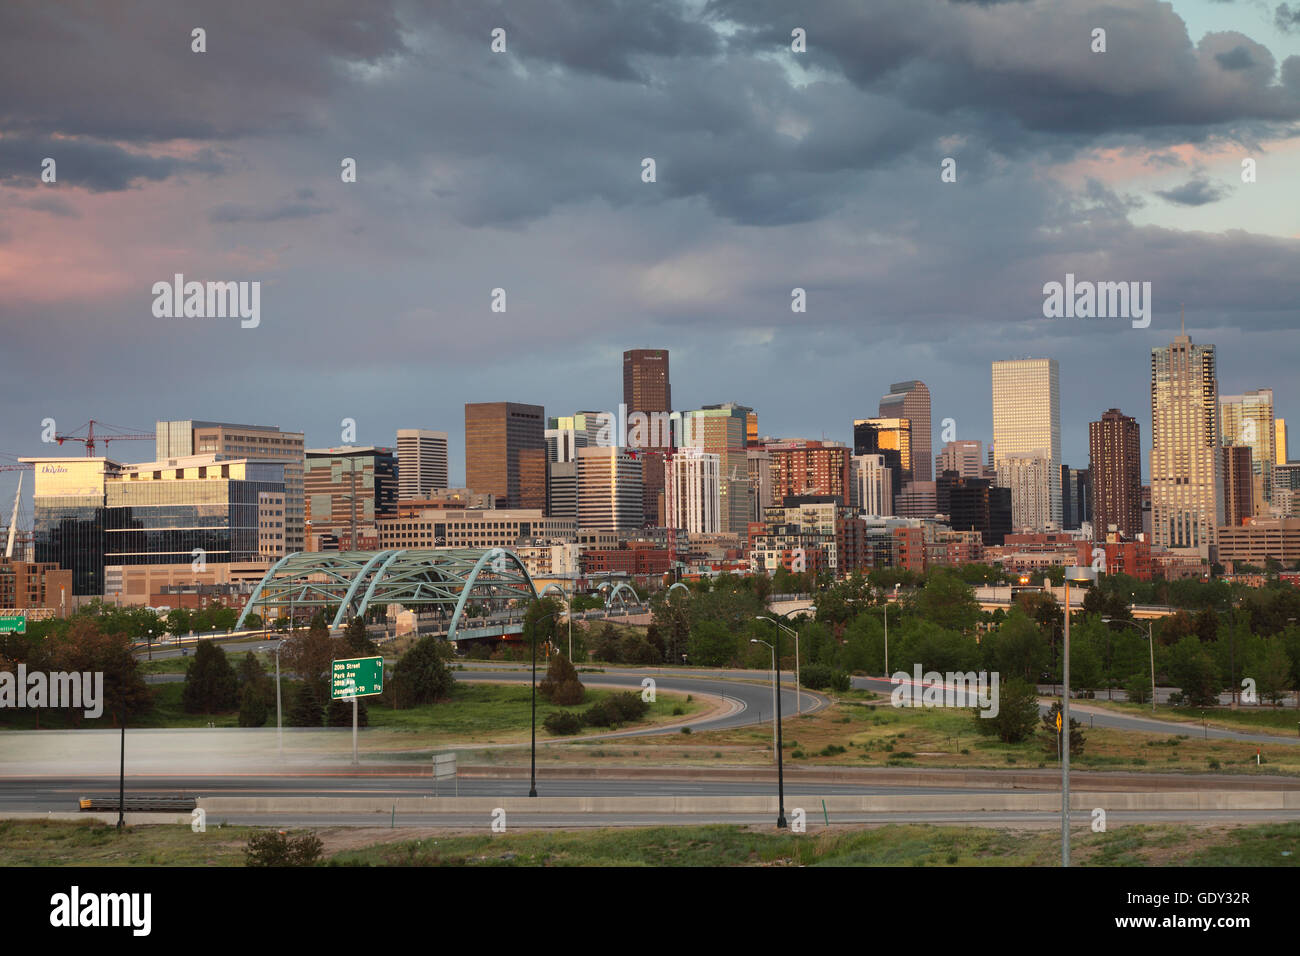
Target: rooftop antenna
x=1182, y=320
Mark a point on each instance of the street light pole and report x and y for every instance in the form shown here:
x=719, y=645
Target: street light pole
x=886, y=636
x=279, y=731
x=532, y=639
x=1151, y=645
x=780, y=768
x=1065, y=742
x=1080, y=575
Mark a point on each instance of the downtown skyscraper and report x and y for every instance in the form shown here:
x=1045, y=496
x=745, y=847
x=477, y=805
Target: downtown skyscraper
x=1115, y=463
x=1186, y=464
x=1027, y=424
x=1247, y=420
x=911, y=400
x=648, y=389
x=505, y=452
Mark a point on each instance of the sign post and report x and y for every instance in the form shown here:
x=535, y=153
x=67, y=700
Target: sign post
x=353, y=678
x=13, y=623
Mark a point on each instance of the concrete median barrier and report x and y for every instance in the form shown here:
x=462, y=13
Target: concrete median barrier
x=1211, y=800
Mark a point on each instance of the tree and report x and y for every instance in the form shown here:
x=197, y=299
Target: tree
x=252, y=706
x=421, y=675
x=210, y=682
x=1275, y=673
x=1017, y=648
x=1017, y=713
x=1192, y=669
x=1138, y=688
x=357, y=639
x=310, y=655
x=339, y=713
x=712, y=645
x=1051, y=734
x=84, y=647
x=561, y=685
x=308, y=709
x=179, y=621
x=948, y=601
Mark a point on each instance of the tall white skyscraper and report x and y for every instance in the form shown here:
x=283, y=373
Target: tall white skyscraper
x=1027, y=420
x=1031, y=504
x=609, y=489
x=1186, y=464
x=871, y=483
x=421, y=463
x=696, y=498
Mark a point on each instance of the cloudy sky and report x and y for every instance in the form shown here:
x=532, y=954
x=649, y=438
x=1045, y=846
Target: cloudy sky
x=522, y=170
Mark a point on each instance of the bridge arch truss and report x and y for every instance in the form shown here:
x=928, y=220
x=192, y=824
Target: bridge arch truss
x=348, y=583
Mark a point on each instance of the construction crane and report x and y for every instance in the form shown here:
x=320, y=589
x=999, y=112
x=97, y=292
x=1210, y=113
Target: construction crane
x=90, y=439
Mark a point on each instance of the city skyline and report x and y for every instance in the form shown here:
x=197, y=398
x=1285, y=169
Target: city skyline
x=1141, y=179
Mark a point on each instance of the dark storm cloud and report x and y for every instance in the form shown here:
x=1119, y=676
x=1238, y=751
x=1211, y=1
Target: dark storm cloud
x=88, y=164
x=1238, y=58
x=600, y=37
x=1286, y=18
x=127, y=71
x=1031, y=61
x=1197, y=192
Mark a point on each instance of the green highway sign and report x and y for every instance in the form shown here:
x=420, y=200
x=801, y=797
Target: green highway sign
x=13, y=624
x=359, y=677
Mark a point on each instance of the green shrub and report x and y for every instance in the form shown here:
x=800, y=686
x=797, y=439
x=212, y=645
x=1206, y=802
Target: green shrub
x=816, y=676
x=276, y=848
x=562, y=723
x=616, y=709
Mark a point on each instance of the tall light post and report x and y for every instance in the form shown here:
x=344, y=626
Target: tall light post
x=279, y=731
x=532, y=639
x=798, y=693
x=1081, y=576
x=780, y=769
x=1151, y=643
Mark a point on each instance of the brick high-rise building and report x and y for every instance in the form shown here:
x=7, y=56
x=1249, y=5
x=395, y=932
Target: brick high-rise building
x=1238, y=485
x=1115, y=461
x=505, y=452
x=803, y=467
x=646, y=384
x=911, y=400
x=1186, y=465
x=647, y=389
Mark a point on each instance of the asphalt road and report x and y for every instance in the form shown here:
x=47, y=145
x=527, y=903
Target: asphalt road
x=1091, y=716
x=28, y=794
x=754, y=710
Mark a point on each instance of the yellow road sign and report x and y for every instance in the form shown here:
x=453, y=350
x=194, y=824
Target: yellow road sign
x=1058, y=721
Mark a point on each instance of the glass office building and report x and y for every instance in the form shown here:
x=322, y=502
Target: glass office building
x=93, y=512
